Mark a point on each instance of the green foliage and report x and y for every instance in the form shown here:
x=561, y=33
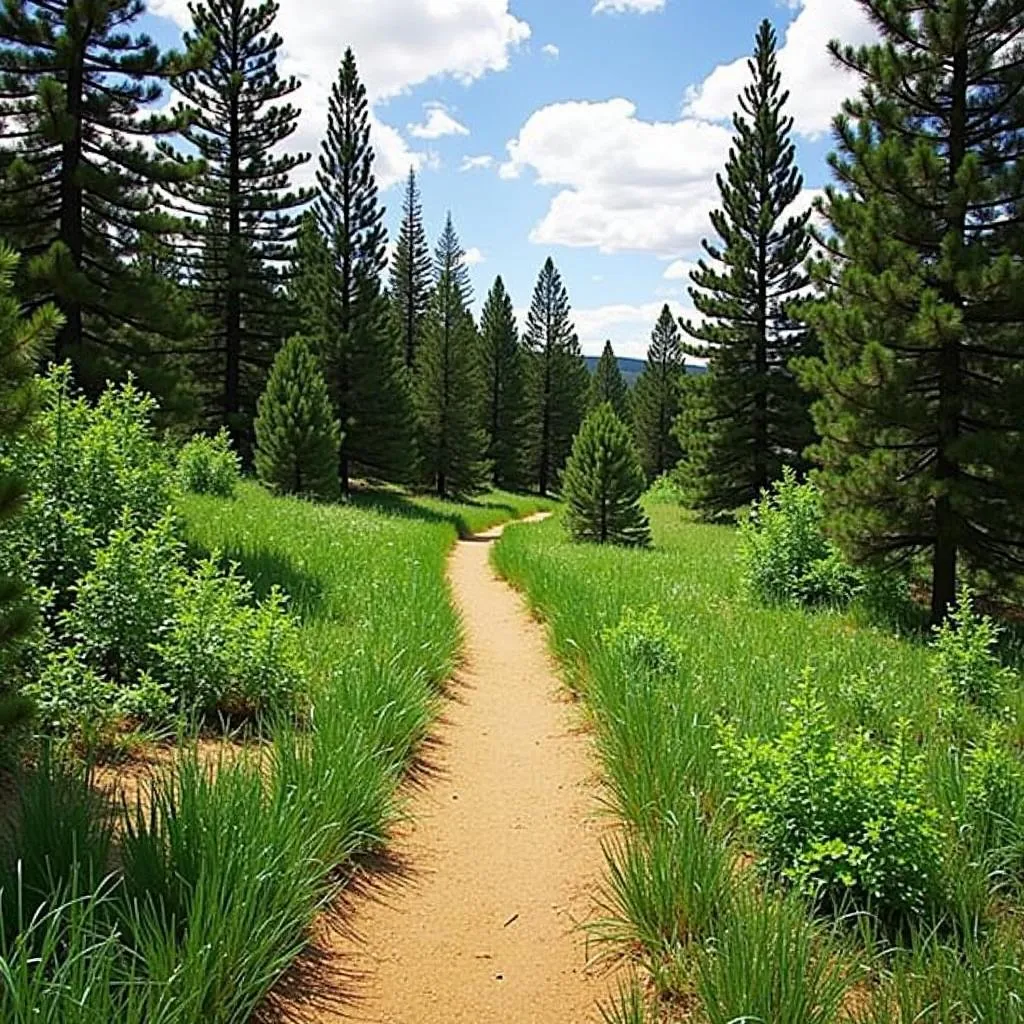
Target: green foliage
x=411, y=275
x=297, y=437
x=966, y=662
x=603, y=484
x=786, y=554
x=209, y=465
x=656, y=401
x=644, y=641
x=837, y=817
x=608, y=386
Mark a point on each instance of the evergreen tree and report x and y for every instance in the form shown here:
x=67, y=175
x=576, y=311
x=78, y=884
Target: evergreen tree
x=448, y=386
x=297, y=436
x=558, y=380
x=21, y=341
x=364, y=367
x=312, y=280
x=80, y=192
x=607, y=385
x=504, y=382
x=410, y=274
x=657, y=398
x=757, y=418
x=922, y=314
x=237, y=123
x=604, y=483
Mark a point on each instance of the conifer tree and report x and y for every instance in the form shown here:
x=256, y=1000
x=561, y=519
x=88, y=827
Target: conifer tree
x=80, y=191
x=607, y=385
x=297, y=436
x=411, y=274
x=448, y=386
x=558, y=379
x=657, y=398
x=503, y=366
x=757, y=418
x=236, y=121
x=921, y=319
x=364, y=368
x=604, y=482
x=312, y=280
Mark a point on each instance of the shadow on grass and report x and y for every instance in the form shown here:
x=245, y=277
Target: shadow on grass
x=399, y=504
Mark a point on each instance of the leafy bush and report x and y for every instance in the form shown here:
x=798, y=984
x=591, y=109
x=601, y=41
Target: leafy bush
x=995, y=796
x=645, y=643
x=786, y=555
x=839, y=818
x=965, y=655
x=208, y=465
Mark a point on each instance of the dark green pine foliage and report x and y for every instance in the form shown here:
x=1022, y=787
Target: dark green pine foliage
x=364, y=368
x=657, y=398
x=448, y=388
x=238, y=119
x=504, y=379
x=81, y=192
x=21, y=342
x=922, y=319
x=411, y=274
x=607, y=385
x=604, y=482
x=757, y=419
x=312, y=280
x=297, y=436
x=558, y=379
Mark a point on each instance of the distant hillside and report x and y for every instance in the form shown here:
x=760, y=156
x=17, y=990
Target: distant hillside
x=632, y=368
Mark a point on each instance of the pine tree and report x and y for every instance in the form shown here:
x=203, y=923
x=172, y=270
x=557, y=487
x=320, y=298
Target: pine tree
x=297, y=436
x=758, y=419
x=237, y=123
x=607, y=385
x=411, y=274
x=604, y=483
x=312, y=280
x=448, y=386
x=503, y=367
x=364, y=367
x=921, y=319
x=657, y=398
x=558, y=378
x=21, y=342
x=80, y=192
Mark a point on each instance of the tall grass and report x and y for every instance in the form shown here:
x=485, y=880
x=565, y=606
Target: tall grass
x=187, y=904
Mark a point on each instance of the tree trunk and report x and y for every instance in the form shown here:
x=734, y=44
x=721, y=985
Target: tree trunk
x=233, y=297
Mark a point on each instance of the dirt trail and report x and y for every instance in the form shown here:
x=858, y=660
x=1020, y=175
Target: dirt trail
x=502, y=854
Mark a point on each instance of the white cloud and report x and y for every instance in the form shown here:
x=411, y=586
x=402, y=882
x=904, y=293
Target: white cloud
x=398, y=44
x=439, y=123
x=550, y=50
x=679, y=270
x=817, y=87
x=477, y=163
x=474, y=257
x=626, y=184
x=620, y=6
x=627, y=326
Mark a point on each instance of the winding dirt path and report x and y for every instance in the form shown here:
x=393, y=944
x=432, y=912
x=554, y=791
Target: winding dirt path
x=474, y=923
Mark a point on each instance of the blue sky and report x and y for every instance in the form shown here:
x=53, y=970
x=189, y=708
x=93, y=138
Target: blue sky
x=587, y=130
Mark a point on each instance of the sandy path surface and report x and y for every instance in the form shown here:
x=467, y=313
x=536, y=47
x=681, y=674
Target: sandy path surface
x=474, y=921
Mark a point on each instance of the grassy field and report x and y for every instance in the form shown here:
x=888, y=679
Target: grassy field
x=188, y=906
x=710, y=712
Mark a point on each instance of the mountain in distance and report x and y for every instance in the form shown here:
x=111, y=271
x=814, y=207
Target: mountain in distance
x=632, y=368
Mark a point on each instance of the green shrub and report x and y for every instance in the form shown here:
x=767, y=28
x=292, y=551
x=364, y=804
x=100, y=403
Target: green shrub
x=994, y=803
x=786, y=555
x=839, y=818
x=209, y=465
x=644, y=643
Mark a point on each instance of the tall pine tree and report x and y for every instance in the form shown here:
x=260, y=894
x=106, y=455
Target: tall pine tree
x=608, y=386
x=922, y=319
x=80, y=194
x=411, y=274
x=757, y=419
x=657, y=398
x=236, y=121
x=558, y=379
x=448, y=391
x=503, y=366
x=364, y=368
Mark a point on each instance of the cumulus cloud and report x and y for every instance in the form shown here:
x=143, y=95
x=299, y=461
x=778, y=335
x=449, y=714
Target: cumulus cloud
x=474, y=257
x=476, y=163
x=625, y=184
x=398, y=43
x=550, y=50
x=627, y=326
x=679, y=270
x=439, y=122
x=817, y=87
x=621, y=6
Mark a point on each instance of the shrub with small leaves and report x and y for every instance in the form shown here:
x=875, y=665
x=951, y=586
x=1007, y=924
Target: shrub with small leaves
x=966, y=663
x=209, y=465
x=786, y=555
x=644, y=643
x=840, y=818
x=995, y=797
